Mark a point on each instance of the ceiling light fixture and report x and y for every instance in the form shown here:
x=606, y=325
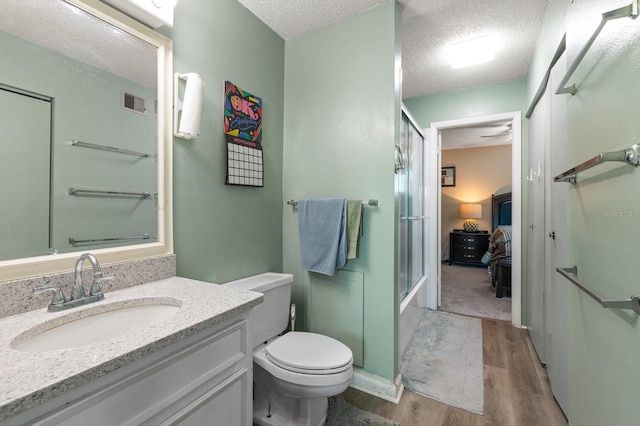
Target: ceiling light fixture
x=472, y=52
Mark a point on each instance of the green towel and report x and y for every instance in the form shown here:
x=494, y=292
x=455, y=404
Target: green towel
x=354, y=227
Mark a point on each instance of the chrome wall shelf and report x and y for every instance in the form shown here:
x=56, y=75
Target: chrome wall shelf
x=630, y=11
x=109, y=148
x=632, y=302
x=75, y=242
x=628, y=156
x=106, y=193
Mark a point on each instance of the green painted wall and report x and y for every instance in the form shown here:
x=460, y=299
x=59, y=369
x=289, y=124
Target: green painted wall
x=342, y=118
x=553, y=29
x=604, y=209
x=475, y=101
x=602, y=343
x=226, y=232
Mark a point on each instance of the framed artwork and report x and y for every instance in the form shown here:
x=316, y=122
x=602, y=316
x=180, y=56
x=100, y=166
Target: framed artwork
x=448, y=177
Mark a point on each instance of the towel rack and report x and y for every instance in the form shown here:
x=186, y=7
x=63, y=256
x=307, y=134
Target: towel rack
x=629, y=156
x=372, y=202
x=75, y=242
x=632, y=302
x=108, y=148
x=107, y=193
x=631, y=11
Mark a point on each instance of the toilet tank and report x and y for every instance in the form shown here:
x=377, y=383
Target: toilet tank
x=271, y=317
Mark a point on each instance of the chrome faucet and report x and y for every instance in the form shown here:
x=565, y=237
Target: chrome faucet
x=78, y=289
x=78, y=296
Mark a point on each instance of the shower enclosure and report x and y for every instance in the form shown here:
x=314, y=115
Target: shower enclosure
x=409, y=192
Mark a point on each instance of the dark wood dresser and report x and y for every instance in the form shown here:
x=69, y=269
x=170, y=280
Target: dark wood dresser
x=467, y=247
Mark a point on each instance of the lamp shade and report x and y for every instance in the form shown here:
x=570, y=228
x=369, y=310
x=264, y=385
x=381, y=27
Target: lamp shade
x=471, y=211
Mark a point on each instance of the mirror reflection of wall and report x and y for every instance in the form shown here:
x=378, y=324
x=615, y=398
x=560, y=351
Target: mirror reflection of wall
x=24, y=185
x=39, y=164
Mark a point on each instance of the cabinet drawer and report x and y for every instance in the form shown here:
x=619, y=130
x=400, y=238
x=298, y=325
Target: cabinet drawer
x=468, y=239
x=467, y=256
x=469, y=247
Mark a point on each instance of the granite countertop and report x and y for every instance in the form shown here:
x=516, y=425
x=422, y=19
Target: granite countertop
x=31, y=378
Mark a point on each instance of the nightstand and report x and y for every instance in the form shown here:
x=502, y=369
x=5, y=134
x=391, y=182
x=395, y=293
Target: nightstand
x=468, y=247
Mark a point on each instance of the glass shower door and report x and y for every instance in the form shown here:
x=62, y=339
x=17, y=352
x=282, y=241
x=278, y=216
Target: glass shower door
x=409, y=188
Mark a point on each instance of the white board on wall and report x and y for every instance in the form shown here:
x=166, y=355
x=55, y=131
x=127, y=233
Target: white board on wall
x=337, y=309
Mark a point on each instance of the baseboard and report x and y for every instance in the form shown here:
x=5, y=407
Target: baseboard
x=378, y=386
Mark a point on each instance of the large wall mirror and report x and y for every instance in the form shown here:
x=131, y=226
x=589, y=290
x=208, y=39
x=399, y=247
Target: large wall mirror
x=86, y=145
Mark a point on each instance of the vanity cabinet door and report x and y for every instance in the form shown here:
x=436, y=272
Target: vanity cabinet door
x=204, y=379
x=223, y=404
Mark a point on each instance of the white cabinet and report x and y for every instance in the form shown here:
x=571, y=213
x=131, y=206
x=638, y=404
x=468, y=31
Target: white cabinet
x=202, y=379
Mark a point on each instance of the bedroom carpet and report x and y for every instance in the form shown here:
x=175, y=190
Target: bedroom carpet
x=466, y=290
x=341, y=413
x=444, y=360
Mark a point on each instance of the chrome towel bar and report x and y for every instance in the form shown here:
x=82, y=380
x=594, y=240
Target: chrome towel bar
x=372, y=202
x=629, y=156
x=74, y=242
x=108, y=148
x=107, y=193
x=631, y=11
x=632, y=302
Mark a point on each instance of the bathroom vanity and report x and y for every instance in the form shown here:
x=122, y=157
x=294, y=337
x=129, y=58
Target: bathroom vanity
x=190, y=366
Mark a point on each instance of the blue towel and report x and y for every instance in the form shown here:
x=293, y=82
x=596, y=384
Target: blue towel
x=322, y=228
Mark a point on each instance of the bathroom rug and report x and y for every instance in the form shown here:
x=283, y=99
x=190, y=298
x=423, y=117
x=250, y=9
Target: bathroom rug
x=341, y=413
x=444, y=360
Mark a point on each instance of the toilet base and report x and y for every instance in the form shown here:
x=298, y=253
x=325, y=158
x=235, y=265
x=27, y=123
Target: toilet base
x=271, y=408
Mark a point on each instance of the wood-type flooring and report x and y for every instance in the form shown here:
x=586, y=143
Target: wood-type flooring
x=516, y=389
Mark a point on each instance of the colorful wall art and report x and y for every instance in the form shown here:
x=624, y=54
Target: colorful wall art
x=242, y=115
x=243, y=134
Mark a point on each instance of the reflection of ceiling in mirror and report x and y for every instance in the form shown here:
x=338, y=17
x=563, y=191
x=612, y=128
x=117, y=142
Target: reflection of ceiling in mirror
x=477, y=135
x=60, y=26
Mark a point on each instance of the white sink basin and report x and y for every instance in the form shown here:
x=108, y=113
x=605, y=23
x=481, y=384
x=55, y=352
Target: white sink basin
x=96, y=324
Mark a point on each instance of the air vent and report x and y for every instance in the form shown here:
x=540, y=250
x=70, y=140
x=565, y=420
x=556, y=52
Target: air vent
x=133, y=103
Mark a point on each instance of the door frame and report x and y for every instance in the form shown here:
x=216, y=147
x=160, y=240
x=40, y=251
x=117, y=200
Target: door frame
x=434, y=290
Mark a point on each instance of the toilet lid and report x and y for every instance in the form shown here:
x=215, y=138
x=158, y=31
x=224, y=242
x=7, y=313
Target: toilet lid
x=309, y=352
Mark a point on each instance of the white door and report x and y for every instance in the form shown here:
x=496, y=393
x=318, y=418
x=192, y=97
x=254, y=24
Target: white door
x=25, y=125
x=538, y=136
x=555, y=288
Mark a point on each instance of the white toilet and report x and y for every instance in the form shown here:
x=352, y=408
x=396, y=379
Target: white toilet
x=293, y=374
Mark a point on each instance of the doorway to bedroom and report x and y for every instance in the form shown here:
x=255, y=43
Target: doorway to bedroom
x=477, y=159
x=481, y=156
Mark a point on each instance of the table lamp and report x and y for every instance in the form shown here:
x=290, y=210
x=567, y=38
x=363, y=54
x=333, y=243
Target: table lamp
x=470, y=212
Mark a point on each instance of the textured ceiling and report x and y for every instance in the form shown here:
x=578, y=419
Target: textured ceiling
x=57, y=25
x=427, y=27
x=490, y=134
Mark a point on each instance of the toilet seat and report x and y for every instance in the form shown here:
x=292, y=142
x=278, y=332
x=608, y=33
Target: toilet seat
x=309, y=353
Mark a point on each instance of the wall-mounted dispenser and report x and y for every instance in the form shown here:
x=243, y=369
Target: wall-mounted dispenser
x=186, y=112
x=154, y=13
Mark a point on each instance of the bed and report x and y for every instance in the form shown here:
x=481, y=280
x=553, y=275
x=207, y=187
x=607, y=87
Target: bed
x=498, y=256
